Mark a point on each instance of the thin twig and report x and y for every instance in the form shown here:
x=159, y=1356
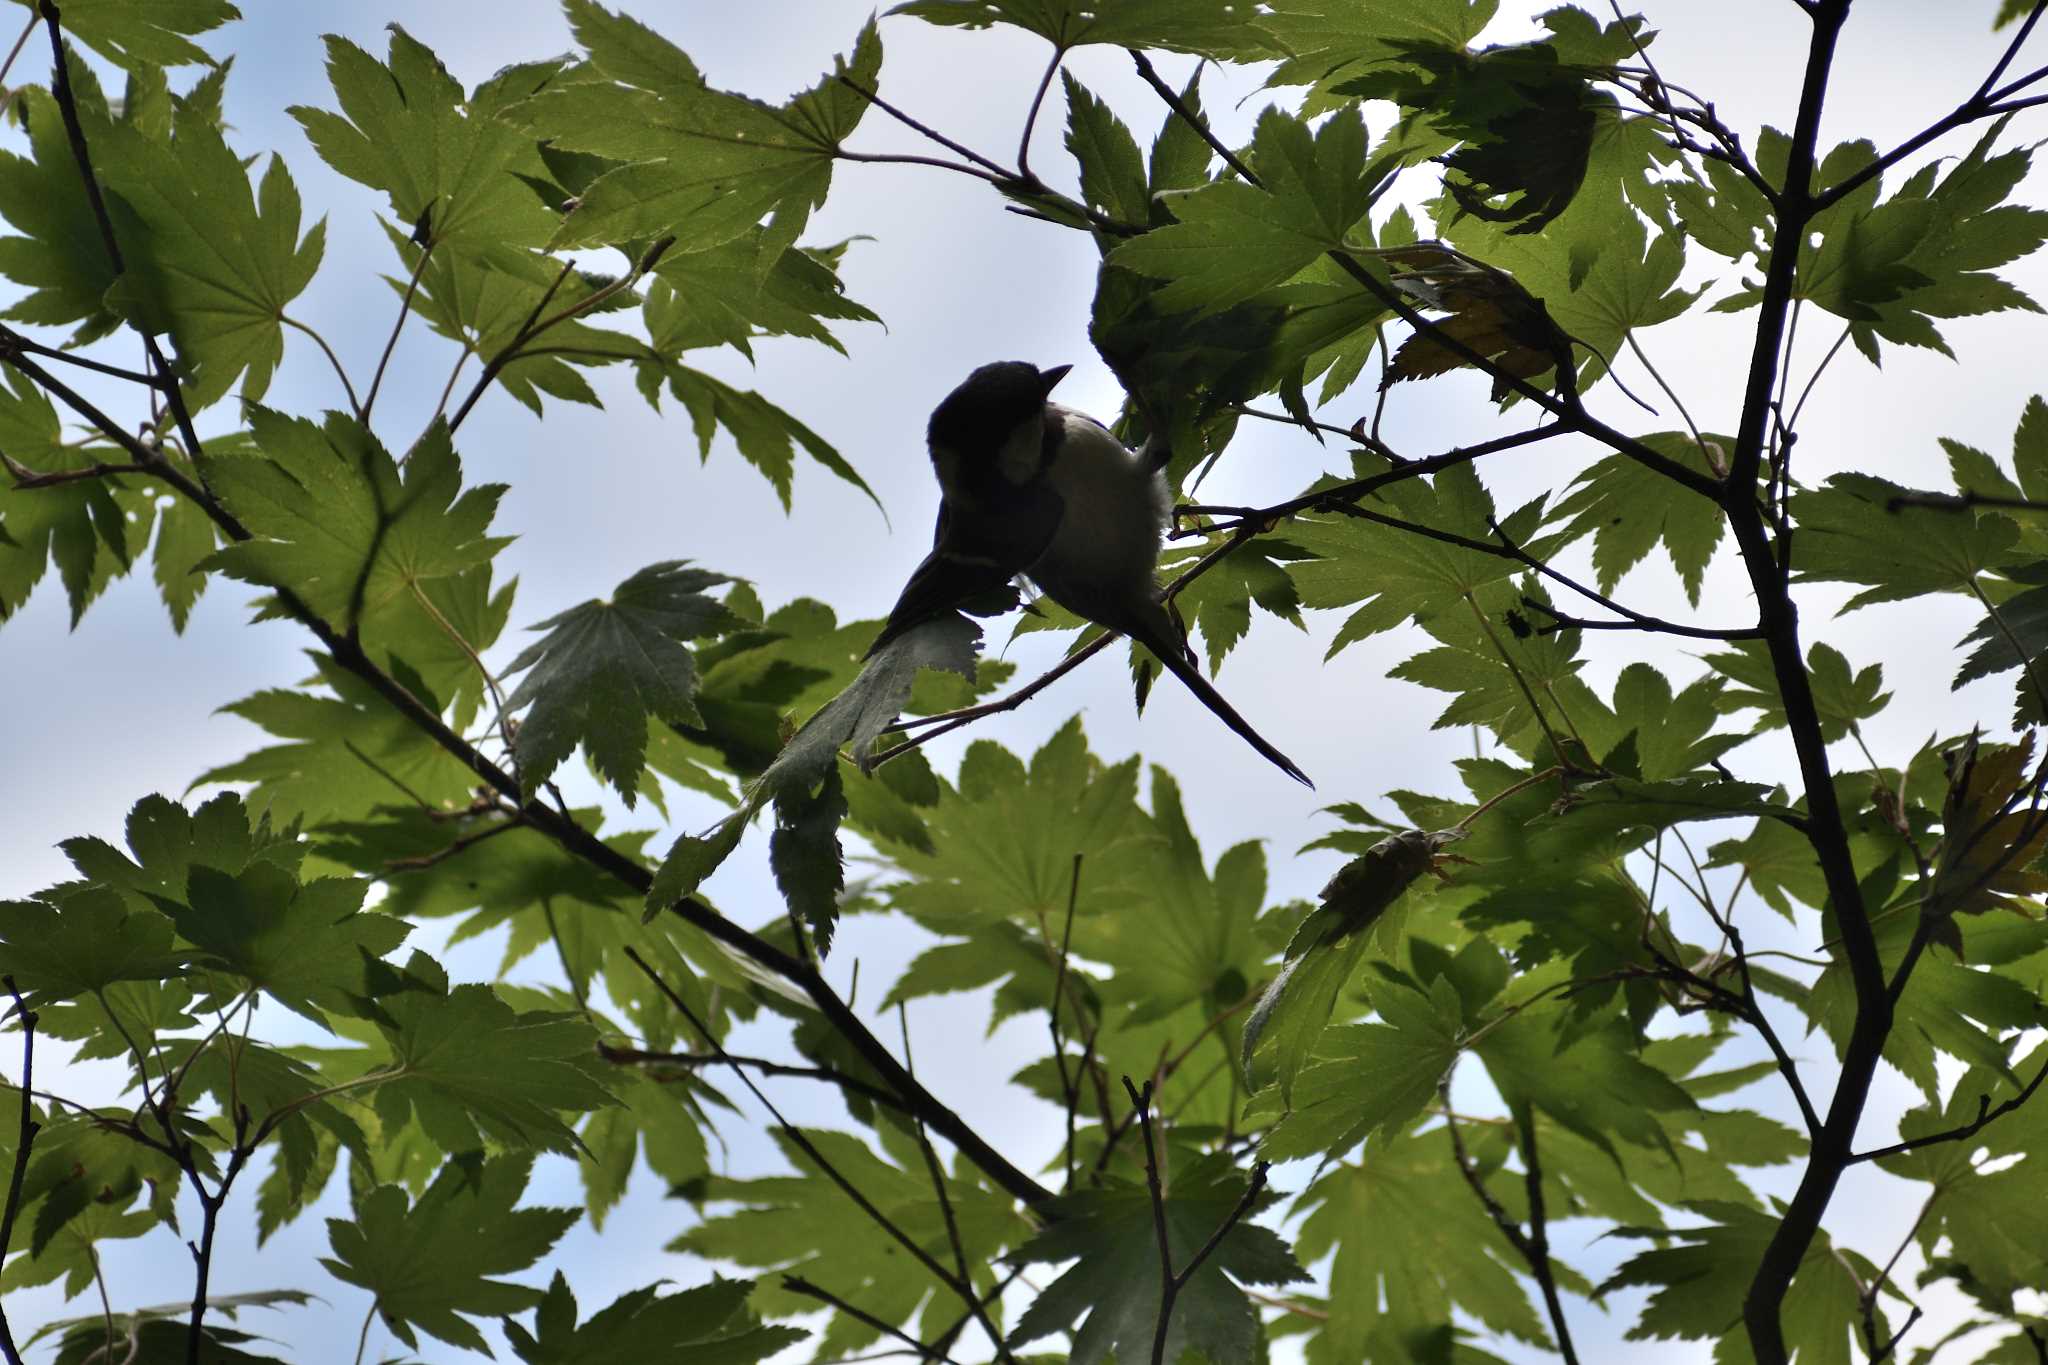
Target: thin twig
x=1070, y=1089
x=797, y=1284
x=1171, y=1282
x=1985, y=1115
x=997, y=171
x=11, y=340
x=420, y=861
x=802, y=1139
x=26, y=479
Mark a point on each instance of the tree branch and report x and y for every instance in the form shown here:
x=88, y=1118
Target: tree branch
x=1779, y=618
x=24, y=1143
x=1985, y=1115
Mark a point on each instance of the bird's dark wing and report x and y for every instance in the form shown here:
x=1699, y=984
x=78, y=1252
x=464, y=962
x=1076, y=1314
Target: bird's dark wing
x=974, y=556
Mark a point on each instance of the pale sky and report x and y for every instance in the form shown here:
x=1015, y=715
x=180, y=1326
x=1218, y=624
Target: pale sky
x=122, y=707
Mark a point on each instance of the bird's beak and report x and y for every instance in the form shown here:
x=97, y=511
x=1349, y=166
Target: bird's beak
x=1049, y=379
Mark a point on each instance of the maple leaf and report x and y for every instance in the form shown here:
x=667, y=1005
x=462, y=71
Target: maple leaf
x=430, y=1261
x=1114, y=1287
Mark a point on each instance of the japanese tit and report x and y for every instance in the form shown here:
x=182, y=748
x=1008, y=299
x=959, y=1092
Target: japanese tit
x=1029, y=487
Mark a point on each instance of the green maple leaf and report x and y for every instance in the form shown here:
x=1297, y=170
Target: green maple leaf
x=1214, y=28
x=1525, y=117
x=81, y=526
x=605, y=667
x=1230, y=241
x=207, y=262
x=695, y=163
x=1112, y=171
x=1325, y=44
x=80, y=940
x=486, y=297
x=1492, y=671
x=308, y=946
x=1449, y=1257
x=1369, y=1078
x=715, y=297
x=1843, y=695
x=766, y=436
x=1188, y=937
x=1669, y=735
x=1221, y=600
x=705, y=1325
x=1588, y=1079
x=1850, y=533
x=1004, y=839
x=140, y=34
x=1984, y=1215
x=467, y=1065
x=806, y=1225
x=1727, y=214
x=162, y=1340
x=168, y=841
x=1778, y=862
x=449, y=164
x=1111, y=1235
x=1698, y=1282
x=335, y=520
x=1629, y=509
x=44, y=202
x=430, y=1262
x=1598, y=271
x=1946, y=1007
x=345, y=754
x=1948, y=238
x=1395, y=575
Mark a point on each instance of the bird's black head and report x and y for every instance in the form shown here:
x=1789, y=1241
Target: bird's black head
x=990, y=405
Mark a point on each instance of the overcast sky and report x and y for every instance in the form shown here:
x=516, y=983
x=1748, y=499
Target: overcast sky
x=120, y=707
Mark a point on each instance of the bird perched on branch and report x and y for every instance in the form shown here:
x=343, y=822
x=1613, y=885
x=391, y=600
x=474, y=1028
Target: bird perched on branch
x=1029, y=487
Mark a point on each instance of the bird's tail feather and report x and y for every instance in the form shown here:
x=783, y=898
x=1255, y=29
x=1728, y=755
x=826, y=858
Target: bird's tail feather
x=1172, y=652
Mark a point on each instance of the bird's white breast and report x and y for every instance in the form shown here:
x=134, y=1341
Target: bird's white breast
x=1116, y=510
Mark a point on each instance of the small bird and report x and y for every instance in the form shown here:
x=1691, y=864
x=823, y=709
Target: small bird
x=1033, y=488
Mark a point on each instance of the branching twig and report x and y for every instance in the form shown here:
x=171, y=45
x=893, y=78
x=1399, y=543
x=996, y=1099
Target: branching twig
x=1985, y=1115
x=1985, y=102
x=634, y=1056
x=802, y=1139
x=1171, y=1282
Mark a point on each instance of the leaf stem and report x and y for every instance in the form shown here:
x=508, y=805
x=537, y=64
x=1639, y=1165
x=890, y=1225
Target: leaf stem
x=333, y=361
x=397, y=325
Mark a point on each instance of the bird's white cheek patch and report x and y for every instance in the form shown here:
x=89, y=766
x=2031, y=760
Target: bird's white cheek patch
x=1023, y=453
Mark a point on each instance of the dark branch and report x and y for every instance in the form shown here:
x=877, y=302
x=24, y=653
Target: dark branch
x=24, y=1144
x=1986, y=1114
